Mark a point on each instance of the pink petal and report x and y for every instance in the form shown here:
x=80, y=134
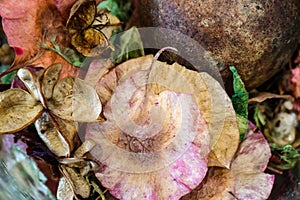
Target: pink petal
x=157, y=153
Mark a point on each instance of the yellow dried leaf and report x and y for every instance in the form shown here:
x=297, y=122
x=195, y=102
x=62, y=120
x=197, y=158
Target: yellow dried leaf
x=18, y=109
x=211, y=98
x=50, y=78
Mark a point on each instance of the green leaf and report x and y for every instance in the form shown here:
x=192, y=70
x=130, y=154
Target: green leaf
x=288, y=155
x=131, y=46
x=68, y=54
x=240, y=101
x=7, y=79
x=118, y=8
x=20, y=177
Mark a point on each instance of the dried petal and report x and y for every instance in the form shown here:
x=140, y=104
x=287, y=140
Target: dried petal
x=50, y=78
x=159, y=146
x=18, y=109
x=73, y=99
x=245, y=179
x=211, y=98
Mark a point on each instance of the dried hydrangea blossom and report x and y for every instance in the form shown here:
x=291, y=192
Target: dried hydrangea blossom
x=153, y=148
x=245, y=179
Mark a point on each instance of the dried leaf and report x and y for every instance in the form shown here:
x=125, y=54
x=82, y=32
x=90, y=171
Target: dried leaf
x=263, y=96
x=18, y=110
x=211, y=98
x=245, y=179
x=36, y=21
x=50, y=78
x=73, y=99
x=58, y=135
x=77, y=182
x=31, y=81
x=87, y=35
x=146, y=146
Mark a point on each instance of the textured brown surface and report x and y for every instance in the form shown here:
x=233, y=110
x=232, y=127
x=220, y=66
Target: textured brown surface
x=256, y=36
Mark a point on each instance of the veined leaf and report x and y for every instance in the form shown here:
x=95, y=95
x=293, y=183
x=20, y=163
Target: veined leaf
x=73, y=99
x=18, y=109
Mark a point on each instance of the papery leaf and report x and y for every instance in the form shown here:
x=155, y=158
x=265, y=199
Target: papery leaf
x=73, y=99
x=20, y=177
x=50, y=78
x=240, y=101
x=31, y=81
x=245, y=179
x=18, y=110
x=58, y=135
x=211, y=98
x=77, y=182
x=131, y=46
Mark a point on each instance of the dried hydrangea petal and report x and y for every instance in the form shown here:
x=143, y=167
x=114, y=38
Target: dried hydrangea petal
x=159, y=145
